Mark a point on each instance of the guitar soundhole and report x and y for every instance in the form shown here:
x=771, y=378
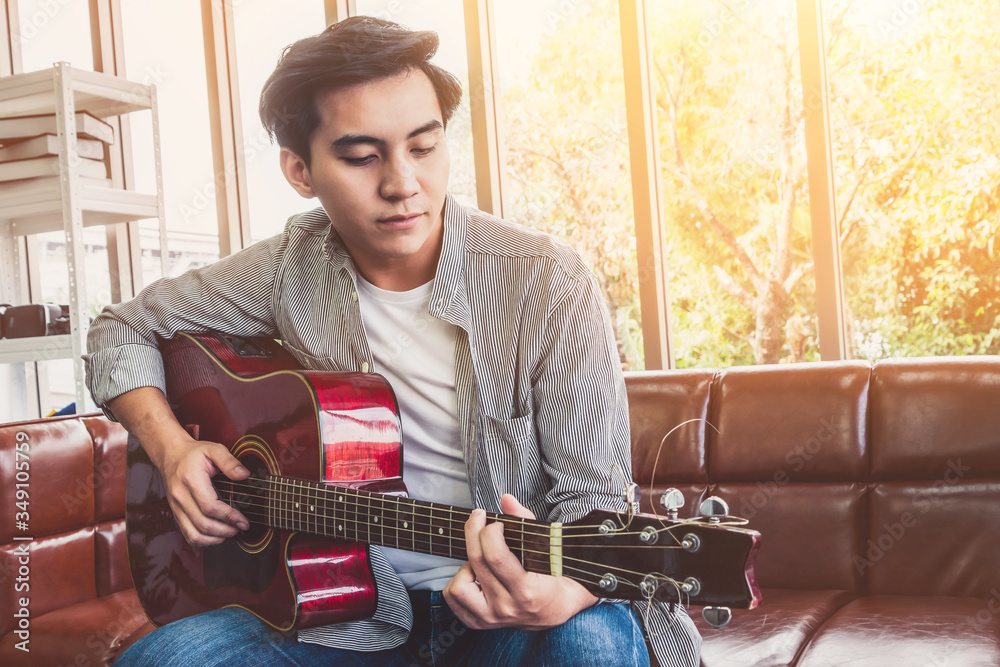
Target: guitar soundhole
x=249, y=497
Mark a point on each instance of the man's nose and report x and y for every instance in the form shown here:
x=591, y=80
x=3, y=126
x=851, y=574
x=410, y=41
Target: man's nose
x=399, y=180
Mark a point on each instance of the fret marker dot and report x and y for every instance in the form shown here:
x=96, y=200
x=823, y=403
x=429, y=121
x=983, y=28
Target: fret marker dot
x=312, y=508
x=440, y=531
x=406, y=525
x=375, y=519
x=340, y=527
x=340, y=498
x=296, y=505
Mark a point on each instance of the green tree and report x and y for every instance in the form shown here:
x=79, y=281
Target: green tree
x=917, y=168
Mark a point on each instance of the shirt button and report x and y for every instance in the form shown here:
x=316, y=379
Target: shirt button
x=354, y=297
x=364, y=366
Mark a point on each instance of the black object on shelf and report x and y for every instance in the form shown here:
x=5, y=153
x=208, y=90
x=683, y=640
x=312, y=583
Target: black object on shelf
x=33, y=320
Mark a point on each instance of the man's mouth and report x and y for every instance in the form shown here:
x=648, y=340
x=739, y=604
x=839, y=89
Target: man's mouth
x=401, y=220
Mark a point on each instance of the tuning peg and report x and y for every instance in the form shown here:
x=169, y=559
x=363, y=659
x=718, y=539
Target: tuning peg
x=672, y=500
x=717, y=617
x=633, y=493
x=714, y=509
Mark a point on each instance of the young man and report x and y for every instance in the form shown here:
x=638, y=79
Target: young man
x=494, y=338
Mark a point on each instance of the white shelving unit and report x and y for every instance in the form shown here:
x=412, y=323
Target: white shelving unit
x=71, y=203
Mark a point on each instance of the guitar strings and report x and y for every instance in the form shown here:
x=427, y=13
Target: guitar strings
x=296, y=485
x=357, y=499
x=519, y=534
x=566, y=559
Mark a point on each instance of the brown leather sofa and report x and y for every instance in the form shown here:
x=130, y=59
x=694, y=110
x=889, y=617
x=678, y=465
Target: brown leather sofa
x=876, y=489
x=72, y=575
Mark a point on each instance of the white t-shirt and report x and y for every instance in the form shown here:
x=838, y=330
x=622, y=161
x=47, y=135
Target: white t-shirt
x=415, y=352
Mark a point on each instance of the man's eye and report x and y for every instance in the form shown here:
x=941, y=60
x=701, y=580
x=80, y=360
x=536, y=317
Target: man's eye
x=424, y=151
x=359, y=161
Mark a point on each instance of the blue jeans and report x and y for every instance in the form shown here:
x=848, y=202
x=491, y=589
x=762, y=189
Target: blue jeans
x=605, y=634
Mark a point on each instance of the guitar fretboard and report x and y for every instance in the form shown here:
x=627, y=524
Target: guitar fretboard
x=375, y=518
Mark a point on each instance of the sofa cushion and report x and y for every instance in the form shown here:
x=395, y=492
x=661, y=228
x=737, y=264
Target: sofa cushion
x=879, y=630
x=810, y=533
x=57, y=461
x=927, y=413
x=934, y=538
x=771, y=635
x=86, y=633
x=110, y=455
x=798, y=423
x=668, y=412
x=60, y=572
x=113, y=573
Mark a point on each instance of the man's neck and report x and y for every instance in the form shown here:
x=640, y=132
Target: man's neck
x=396, y=276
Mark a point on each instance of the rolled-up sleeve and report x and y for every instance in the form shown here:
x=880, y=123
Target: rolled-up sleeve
x=234, y=295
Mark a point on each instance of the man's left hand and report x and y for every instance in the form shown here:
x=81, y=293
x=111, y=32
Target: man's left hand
x=493, y=590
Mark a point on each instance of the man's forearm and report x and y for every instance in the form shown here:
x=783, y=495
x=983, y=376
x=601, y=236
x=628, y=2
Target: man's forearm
x=145, y=414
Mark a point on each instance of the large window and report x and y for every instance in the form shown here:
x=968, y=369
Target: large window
x=729, y=101
x=913, y=87
x=159, y=48
x=260, y=40
x=54, y=31
x=562, y=122
x=911, y=90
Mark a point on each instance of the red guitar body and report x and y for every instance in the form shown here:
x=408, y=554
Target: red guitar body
x=248, y=394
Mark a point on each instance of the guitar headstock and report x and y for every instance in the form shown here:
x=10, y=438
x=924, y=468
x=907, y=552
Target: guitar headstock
x=701, y=561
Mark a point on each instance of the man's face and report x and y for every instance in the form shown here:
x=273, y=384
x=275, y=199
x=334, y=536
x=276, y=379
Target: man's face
x=380, y=169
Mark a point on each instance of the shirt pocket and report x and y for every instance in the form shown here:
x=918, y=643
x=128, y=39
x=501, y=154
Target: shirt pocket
x=510, y=461
x=309, y=361
x=516, y=433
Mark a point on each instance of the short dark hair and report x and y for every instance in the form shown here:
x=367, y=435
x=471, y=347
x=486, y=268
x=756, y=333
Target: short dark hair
x=356, y=50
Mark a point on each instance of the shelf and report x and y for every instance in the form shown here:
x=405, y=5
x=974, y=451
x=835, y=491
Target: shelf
x=40, y=209
x=99, y=94
x=68, y=201
x=36, y=348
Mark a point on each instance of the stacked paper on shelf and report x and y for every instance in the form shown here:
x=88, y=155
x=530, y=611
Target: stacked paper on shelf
x=48, y=144
x=29, y=147
x=20, y=127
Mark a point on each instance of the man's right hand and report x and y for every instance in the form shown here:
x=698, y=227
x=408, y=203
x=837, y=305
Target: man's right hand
x=187, y=466
x=187, y=471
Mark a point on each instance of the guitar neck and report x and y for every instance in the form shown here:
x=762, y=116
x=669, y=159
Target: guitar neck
x=384, y=520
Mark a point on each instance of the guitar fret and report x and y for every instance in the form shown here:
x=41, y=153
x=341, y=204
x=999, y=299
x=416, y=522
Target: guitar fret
x=396, y=525
x=521, y=540
x=381, y=519
x=289, y=519
x=295, y=506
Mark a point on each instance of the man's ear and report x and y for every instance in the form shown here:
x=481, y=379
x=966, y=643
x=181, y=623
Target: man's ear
x=296, y=172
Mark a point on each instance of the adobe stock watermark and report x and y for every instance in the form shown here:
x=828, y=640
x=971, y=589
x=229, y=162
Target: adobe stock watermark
x=988, y=615
x=711, y=29
x=431, y=651
x=796, y=459
x=897, y=18
x=892, y=533
x=84, y=487
x=563, y=12
x=35, y=20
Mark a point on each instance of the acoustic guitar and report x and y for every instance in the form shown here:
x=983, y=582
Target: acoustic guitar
x=325, y=454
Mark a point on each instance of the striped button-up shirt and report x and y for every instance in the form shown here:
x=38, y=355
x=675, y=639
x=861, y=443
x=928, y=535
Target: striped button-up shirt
x=542, y=407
